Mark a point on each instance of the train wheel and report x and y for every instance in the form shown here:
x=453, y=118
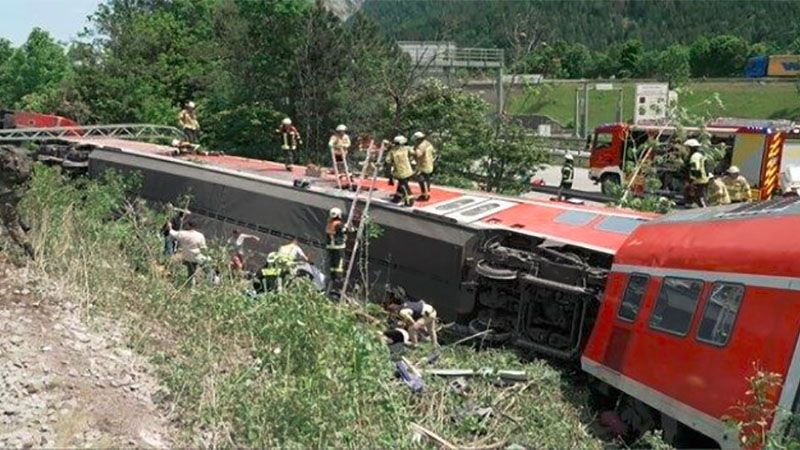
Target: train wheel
x=486, y=270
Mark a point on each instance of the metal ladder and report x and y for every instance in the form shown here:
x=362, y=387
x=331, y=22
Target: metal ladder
x=339, y=167
x=365, y=212
x=117, y=131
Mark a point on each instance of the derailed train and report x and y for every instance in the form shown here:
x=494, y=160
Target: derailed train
x=671, y=314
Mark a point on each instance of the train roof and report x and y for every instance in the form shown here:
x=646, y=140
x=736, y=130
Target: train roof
x=758, y=239
x=597, y=228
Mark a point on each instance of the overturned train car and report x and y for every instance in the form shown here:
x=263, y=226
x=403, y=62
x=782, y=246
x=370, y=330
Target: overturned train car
x=670, y=315
x=533, y=271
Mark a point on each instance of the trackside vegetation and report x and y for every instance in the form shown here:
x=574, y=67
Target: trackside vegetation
x=291, y=370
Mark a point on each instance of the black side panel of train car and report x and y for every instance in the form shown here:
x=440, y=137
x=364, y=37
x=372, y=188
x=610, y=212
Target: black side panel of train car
x=422, y=254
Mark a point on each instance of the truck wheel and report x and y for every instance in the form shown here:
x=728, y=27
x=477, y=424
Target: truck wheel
x=495, y=336
x=606, y=181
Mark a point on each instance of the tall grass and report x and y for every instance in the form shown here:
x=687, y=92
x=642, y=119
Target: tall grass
x=291, y=370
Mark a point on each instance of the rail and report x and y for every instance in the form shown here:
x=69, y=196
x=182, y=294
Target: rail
x=118, y=131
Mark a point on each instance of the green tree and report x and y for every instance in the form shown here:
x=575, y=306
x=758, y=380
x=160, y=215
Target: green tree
x=674, y=65
x=6, y=50
x=36, y=66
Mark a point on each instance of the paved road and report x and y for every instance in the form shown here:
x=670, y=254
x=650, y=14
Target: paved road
x=552, y=177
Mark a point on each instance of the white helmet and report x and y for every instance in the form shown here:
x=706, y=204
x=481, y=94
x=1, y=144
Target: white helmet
x=341, y=128
x=400, y=139
x=419, y=135
x=733, y=170
x=175, y=143
x=272, y=258
x=335, y=213
x=569, y=157
x=692, y=143
x=287, y=121
x=190, y=105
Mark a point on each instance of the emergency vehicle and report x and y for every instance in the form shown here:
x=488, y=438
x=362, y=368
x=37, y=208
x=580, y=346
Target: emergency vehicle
x=757, y=151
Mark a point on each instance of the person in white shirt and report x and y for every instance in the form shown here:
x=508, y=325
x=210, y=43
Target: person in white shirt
x=237, y=259
x=292, y=252
x=191, y=244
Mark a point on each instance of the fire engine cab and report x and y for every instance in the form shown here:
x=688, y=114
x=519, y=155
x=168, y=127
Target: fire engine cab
x=694, y=303
x=757, y=151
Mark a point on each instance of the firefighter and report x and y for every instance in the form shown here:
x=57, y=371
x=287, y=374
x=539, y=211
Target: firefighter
x=290, y=139
x=425, y=155
x=738, y=187
x=416, y=315
x=717, y=192
x=188, y=120
x=290, y=254
x=339, y=143
x=15, y=170
x=270, y=276
x=698, y=176
x=567, y=176
x=399, y=159
x=336, y=241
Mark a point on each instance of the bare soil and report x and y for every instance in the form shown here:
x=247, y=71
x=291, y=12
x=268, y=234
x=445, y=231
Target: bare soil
x=67, y=380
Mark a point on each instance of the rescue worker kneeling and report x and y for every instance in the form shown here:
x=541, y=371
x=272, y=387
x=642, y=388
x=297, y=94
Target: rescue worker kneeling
x=271, y=276
x=416, y=315
x=399, y=159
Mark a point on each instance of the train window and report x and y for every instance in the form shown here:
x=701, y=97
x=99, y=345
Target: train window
x=675, y=305
x=720, y=313
x=621, y=225
x=576, y=218
x=632, y=299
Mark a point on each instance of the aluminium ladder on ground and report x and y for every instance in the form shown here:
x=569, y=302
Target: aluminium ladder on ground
x=373, y=165
x=117, y=131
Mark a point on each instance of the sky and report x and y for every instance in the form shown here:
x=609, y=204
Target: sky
x=64, y=19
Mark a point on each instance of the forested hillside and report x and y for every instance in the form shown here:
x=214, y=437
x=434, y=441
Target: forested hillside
x=594, y=23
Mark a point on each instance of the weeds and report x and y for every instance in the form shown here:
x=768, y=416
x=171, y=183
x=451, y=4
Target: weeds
x=291, y=370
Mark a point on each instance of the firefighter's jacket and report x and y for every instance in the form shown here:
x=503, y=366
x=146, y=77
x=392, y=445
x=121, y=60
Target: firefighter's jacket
x=717, y=193
x=425, y=154
x=399, y=159
x=738, y=188
x=336, y=234
x=697, y=168
x=567, y=174
x=188, y=120
x=290, y=137
x=339, y=145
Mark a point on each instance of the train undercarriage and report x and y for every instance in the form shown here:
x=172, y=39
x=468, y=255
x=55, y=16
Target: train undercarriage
x=535, y=295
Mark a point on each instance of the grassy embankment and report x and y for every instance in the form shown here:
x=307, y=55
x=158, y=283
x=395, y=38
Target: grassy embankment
x=744, y=100
x=289, y=371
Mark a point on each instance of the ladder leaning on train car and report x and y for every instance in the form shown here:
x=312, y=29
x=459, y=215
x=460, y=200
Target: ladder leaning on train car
x=368, y=170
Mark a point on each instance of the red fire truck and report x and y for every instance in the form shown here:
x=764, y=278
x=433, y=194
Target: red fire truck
x=757, y=151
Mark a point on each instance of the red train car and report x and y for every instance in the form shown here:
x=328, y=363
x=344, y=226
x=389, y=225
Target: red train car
x=694, y=302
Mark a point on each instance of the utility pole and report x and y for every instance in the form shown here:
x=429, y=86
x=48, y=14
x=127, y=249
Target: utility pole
x=585, y=109
x=577, y=120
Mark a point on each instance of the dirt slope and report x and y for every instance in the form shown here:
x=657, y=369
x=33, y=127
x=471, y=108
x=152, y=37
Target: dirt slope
x=65, y=381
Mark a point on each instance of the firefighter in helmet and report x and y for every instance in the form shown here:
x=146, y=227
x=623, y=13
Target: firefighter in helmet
x=717, y=192
x=270, y=276
x=336, y=233
x=339, y=144
x=188, y=120
x=567, y=176
x=738, y=187
x=425, y=155
x=399, y=159
x=290, y=139
x=698, y=175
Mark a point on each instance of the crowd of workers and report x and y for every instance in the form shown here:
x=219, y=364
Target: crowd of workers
x=707, y=189
x=183, y=241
